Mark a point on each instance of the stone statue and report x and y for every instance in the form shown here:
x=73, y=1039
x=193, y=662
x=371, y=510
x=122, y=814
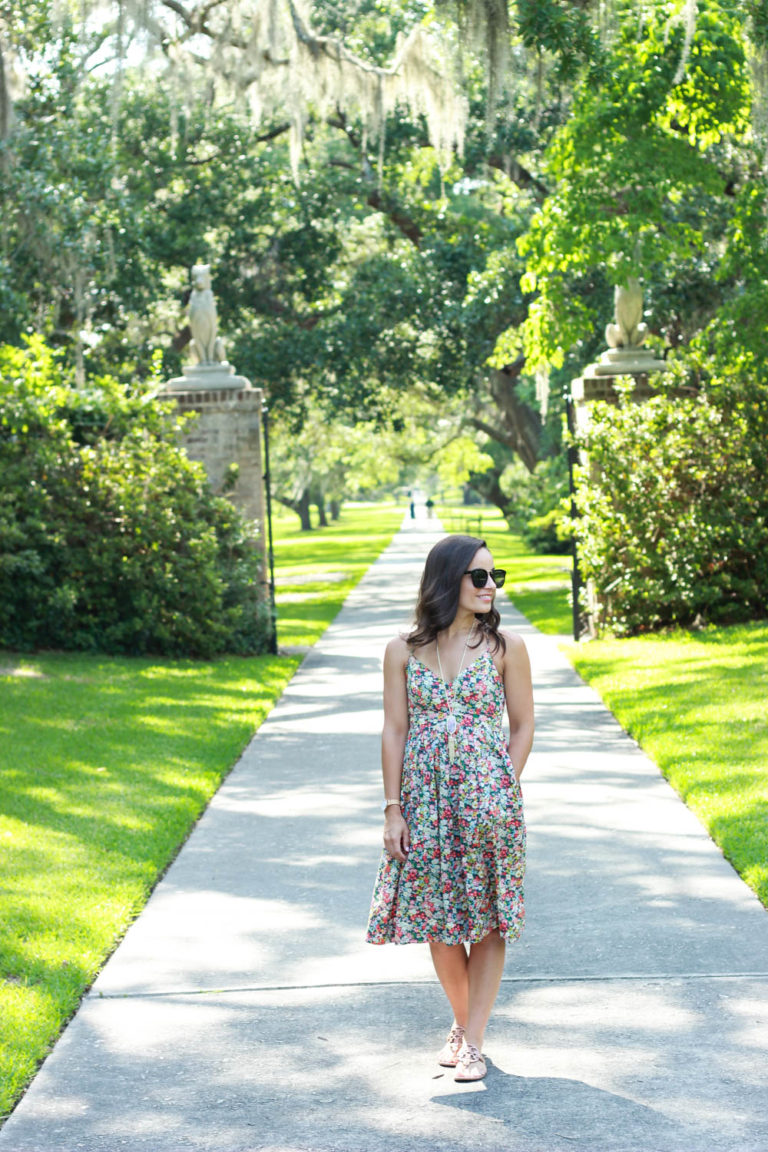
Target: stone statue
x=629, y=330
x=625, y=355
x=213, y=373
x=203, y=320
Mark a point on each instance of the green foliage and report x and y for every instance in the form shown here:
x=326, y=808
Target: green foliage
x=548, y=533
x=537, y=506
x=110, y=538
x=642, y=169
x=674, y=514
x=381, y=274
x=561, y=28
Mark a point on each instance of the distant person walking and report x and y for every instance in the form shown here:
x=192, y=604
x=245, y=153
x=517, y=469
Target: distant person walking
x=452, y=869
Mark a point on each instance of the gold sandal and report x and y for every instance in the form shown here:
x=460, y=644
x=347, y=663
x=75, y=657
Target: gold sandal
x=470, y=1064
x=449, y=1053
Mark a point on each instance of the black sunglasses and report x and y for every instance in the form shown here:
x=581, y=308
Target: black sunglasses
x=479, y=576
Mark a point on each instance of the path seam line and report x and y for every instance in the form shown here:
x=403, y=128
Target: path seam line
x=615, y=978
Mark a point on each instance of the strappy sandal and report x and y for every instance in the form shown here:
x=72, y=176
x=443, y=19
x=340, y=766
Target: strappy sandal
x=470, y=1064
x=449, y=1053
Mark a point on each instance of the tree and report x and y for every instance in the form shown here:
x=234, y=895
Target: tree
x=267, y=53
x=380, y=271
x=643, y=176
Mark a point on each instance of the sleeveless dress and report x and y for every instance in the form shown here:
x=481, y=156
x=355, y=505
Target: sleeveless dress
x=464, y=872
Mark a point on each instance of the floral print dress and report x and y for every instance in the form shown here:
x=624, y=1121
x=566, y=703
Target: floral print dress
x=464, y=872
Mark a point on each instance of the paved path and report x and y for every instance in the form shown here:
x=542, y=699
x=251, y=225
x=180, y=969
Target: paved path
x=243, y=1010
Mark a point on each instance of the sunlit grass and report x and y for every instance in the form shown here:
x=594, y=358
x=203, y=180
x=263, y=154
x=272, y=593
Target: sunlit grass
x=697, y=705
x=315, y=571
x=105, y=765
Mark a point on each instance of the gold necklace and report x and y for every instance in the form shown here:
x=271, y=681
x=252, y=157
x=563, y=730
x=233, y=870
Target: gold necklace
x=451, y=723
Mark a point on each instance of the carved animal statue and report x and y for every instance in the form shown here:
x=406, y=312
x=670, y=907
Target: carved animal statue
x=628, y=331
x=203, y=320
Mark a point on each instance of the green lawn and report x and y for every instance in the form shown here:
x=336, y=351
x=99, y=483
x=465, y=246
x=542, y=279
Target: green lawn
x=315, y=571
x=105, y=765
x=696, y=703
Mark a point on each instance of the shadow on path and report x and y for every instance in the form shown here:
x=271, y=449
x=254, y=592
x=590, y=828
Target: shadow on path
x=244, y=1011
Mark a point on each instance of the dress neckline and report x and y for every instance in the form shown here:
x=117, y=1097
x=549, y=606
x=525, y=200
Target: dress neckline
x=463, y=672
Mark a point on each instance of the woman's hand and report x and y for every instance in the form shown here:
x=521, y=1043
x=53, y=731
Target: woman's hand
x=397, y=838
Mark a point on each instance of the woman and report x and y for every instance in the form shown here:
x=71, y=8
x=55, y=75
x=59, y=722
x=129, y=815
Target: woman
x=454, y=838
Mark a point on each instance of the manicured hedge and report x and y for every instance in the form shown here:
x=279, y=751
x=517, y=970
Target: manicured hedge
x=674, y=511
x=111, y=539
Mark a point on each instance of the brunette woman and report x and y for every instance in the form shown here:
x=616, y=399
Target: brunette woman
x=452, y=868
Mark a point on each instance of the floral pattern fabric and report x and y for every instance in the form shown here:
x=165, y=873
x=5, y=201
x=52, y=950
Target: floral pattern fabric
x=464, y=872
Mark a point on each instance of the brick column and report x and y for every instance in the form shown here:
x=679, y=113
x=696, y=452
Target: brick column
x=226, y=431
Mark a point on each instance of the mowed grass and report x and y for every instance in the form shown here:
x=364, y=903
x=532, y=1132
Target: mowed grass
x=315, y=571
x=698, y=705
x=106, y=764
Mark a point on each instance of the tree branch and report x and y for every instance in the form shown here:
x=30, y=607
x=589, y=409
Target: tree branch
x=409, y=228
x=519, y=426
x=519, y=175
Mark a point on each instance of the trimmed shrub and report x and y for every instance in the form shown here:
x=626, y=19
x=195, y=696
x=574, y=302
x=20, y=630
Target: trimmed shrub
x=674, y=510
x=549, y=534
x=539, y=508
x=110, y=537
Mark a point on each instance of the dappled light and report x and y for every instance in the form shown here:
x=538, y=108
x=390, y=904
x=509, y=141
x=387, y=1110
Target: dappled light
x=632, y=1002
x=488, y=269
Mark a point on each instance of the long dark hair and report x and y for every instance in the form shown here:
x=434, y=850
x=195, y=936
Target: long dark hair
x=439, y=594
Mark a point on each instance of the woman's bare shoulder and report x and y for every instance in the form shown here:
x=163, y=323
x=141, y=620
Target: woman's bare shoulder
x=515, y=646
x=397, y=652
x=513, y=639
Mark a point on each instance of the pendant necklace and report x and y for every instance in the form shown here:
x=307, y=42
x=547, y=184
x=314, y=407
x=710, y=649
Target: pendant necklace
x=451, y=723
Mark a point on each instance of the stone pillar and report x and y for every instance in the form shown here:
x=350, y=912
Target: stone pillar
x=624, y=356
x=226, y=431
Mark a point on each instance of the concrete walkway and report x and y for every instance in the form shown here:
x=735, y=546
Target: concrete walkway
x=244, y=1011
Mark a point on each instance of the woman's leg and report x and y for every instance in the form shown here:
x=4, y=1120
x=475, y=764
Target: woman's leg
x=451, y=965
x=485, y=966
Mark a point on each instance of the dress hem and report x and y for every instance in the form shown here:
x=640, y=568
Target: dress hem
x=513, y=933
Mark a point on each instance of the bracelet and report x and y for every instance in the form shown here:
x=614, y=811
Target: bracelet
x=388, y=802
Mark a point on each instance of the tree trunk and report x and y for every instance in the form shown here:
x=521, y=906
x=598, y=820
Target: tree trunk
x=300, y=506
x=519, y=425
x=335, y=509
x=319, y=502
x=487, y=485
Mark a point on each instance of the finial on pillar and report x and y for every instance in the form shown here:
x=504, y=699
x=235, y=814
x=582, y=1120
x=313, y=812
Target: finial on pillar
x=212, y=371
x=625, y=336
x=203, y=319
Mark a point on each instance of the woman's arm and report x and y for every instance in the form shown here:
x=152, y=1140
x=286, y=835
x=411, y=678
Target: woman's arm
x=518, y=691
x=393, y=737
